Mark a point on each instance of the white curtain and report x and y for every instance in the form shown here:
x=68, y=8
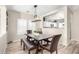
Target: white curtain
x=21, y=26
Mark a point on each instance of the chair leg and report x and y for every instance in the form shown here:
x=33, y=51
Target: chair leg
x=23, y=46
x=50, y=52
x=47, y=43
x=29, y=52
x=31, y=49
x=37, y=50
x=41, y=51
x=56, y=52
x=21, y=42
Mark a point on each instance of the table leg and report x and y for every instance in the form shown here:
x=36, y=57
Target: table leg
x=37, y=48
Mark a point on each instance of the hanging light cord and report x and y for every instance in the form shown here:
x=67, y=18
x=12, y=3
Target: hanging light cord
x=35, y=13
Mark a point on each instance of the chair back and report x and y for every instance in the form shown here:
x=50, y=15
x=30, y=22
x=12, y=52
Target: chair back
x=54, y=42
x=29, y=31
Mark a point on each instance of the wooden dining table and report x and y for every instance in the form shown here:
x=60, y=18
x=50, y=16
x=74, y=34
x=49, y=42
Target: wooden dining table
x=39, y=38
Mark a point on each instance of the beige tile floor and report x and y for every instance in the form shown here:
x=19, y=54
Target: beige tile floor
x=16, y=48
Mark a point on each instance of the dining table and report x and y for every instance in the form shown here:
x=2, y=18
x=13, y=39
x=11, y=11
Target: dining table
x=39, y=38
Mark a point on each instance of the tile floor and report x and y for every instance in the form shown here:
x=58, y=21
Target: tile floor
x=16, y=48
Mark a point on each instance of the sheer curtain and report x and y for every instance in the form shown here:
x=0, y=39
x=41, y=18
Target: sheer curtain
x=23, y=25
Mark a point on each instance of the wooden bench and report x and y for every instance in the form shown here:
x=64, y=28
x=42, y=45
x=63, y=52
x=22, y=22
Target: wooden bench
x=27, y=45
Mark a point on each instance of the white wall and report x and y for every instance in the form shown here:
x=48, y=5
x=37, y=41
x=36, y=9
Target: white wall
x=75, y=25
x=12, y=22
x=3, y=37
x=13, y=17
x=67, y=18
x=3, y=43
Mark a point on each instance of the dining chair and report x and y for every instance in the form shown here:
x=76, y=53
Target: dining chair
x=29, y=38
x=27, y=45
x=29, y=31
x=54, y=44
x=47, y=41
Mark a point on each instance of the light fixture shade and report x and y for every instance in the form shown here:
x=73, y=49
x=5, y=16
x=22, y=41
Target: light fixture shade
x=36, y=17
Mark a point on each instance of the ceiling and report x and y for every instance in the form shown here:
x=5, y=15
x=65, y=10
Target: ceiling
x=41, y=9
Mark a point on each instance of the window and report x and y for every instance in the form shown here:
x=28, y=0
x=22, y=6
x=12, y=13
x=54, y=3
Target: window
x=29, y=25
x=47, y=24
x=61, y=25
x=23, y=25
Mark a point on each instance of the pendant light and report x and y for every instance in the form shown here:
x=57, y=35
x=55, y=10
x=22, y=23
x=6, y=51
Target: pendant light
x=35, y=12
x=36, y=18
